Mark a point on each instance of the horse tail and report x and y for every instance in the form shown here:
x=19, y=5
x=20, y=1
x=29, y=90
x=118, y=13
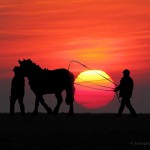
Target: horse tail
x=70, y=89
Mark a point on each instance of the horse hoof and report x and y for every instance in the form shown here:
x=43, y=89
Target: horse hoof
x=11, y=114
x=23, y=115
x=70, y=114
x=49, y=111
x=34, y=113
x=55, y=113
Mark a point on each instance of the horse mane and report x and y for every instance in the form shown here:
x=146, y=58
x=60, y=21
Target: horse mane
x=36, y=67
x=33, y=65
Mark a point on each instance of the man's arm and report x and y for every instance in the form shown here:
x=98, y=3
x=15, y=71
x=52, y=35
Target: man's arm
x=118, y=87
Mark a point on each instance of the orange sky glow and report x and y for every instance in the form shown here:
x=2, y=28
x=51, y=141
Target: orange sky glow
x=108, y=35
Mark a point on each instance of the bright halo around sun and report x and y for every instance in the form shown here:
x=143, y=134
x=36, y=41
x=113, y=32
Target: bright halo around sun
x=93, y=89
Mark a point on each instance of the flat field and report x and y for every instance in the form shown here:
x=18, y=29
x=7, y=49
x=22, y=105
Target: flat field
x=78, y=132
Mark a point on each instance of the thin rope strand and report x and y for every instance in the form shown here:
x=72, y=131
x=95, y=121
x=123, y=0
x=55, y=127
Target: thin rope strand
x=94, y=83
x=91, y=69
x=92, y=87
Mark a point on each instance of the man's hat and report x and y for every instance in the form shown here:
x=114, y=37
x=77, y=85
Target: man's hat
x=126, y=71
x=16, y=68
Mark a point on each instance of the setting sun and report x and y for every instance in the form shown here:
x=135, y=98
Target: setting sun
x=93, y=89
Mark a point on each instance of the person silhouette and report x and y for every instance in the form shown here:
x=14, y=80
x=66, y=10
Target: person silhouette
x=125, y=87
x=17, y=90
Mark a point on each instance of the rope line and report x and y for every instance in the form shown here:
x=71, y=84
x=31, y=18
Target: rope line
x=92, y=87
x=95, y=83
x=90, y=69
x=96, y=73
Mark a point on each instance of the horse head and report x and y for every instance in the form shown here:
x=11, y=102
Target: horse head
x=26, y=66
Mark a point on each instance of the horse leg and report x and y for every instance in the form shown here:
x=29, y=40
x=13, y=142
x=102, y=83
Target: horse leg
x=22, y=109
x=71, y=110
x=70, y=99
x=48, y=109
x=35, y=112
x=59, y=101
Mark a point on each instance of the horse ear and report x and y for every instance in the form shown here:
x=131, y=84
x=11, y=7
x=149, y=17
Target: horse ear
x=19, y=62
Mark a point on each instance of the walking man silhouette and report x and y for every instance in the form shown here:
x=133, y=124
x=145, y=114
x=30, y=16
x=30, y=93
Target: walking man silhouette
x=125, y=87
x=17, y=90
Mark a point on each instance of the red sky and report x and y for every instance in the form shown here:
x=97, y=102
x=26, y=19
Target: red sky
x=109, y=35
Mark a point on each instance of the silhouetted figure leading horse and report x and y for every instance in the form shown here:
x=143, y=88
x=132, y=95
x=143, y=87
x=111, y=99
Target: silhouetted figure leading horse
x=43, y=81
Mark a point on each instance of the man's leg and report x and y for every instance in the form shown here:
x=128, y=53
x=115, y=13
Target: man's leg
x=121, y=107
x=12, y=105
x=129, y=106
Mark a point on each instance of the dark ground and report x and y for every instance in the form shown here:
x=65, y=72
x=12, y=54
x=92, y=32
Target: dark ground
x=78, y=132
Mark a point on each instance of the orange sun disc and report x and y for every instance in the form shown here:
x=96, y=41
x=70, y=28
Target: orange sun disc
x=94, y=89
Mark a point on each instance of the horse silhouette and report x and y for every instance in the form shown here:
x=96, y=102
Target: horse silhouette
x=44, y=81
